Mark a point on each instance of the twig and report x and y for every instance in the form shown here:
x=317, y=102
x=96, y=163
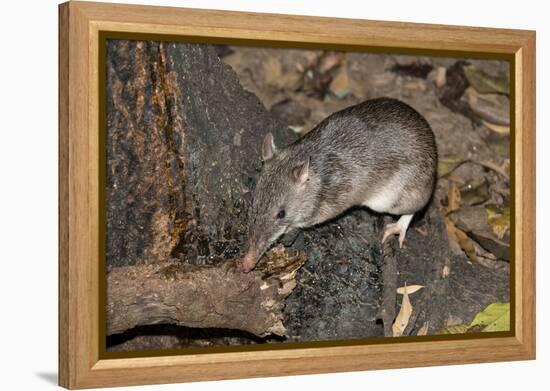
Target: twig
x=492, y=166
x=389, y=278
x=487, y=164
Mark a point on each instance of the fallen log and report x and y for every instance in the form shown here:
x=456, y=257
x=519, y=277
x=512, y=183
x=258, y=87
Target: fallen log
x=221, y=296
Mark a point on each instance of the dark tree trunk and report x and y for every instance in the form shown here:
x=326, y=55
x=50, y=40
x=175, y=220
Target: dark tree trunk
x=183, y=142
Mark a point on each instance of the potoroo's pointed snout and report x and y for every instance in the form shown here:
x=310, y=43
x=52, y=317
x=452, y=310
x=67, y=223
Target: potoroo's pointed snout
x=249, y=260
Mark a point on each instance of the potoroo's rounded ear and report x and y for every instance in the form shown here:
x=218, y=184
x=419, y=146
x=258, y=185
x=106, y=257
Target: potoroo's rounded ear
x=268, y=148
x=300, y=173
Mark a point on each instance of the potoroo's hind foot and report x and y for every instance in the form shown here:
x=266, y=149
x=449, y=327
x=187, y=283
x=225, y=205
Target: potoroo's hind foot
x=398, y=228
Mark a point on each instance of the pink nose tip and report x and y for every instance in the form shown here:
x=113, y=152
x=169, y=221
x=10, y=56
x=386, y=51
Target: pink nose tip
x=249, y=261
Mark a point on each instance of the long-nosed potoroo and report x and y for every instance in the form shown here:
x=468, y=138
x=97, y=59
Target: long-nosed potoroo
x=380, y=153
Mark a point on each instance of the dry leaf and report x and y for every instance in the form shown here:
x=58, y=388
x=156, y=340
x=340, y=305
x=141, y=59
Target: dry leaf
x=403, y=316
x=340, y=85
x=456, y=329
x=446, y=271
x=498, y=220
x=275, y=75
x=409, y=288
x=466, y=244
x=461, y=238
x=331, y=60
x=493, y=108
x=506, y=166
x=493, y=166
x=453, y=198
x=273, y=70
x=440, y=76
x=422, y=230
x=485, y=83
x=424, y=329
x=500, y=129
x=482, y=224
x=447, y=164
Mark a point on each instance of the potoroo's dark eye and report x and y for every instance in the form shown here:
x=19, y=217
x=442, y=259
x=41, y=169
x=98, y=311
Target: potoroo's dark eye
x=281, y=214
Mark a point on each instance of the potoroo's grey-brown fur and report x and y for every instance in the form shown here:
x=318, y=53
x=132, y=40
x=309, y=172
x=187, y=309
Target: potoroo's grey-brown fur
x=380, y=153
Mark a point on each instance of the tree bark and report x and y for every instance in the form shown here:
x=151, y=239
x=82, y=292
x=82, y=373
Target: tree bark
x=218, y=296
x=183, y=141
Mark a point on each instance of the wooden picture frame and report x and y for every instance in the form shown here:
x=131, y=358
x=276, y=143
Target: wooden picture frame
x=80, y=25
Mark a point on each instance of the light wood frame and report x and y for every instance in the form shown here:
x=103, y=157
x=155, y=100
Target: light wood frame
x=80, y=365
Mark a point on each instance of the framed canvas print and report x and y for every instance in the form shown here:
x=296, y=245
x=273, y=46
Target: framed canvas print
x=247, y=195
